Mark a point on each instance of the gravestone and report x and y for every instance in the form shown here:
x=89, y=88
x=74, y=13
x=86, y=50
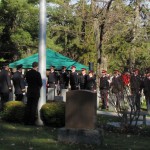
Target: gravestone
x=81, y=109
x=80, y=118
x=63, y=94
x=51, y=93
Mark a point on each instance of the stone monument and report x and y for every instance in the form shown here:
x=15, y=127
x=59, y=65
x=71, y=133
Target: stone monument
x=80, y=118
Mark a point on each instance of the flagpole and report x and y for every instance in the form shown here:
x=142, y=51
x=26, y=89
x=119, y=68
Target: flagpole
x=42, y=57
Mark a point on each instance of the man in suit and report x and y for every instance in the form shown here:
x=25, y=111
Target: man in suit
x=19, y=83
x=34, y=82
x=5, y=84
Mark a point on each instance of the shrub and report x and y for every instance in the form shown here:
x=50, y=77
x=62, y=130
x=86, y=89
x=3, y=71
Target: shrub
x=13, y=111
x=53, y=114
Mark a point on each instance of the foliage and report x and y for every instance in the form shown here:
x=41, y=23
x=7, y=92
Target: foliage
x=53, y=114
x=13, y=111
x=71, y=31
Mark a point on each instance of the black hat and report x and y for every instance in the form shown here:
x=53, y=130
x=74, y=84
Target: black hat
x=35, y=64
x=19, y=66
x=63, y=67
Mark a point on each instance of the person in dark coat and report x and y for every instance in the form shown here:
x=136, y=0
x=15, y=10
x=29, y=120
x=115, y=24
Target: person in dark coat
x=63, y=78
x=83, y=79
x=146, y=88
x=91, y=81
x=5, y=85
x=136, y=87
x=74, y=79
x=117, y=89
x=19, y=83
x=34, y=82
x=104, y=88
x=52, y=78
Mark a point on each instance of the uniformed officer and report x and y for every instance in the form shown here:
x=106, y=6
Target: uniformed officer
x=52, y=78
x=91, y=81
x=74, y=79
x=104, y=88
x=83, y=79
x=117, y=89
x=5, y=84
x=19, y=83
x=136, y=87
x=146, y=88
x=63, y=78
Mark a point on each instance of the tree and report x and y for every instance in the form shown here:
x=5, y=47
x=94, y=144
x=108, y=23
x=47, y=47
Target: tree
x=19, y=29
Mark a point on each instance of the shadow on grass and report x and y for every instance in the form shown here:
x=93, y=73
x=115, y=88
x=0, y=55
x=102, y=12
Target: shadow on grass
x=16, y=136
x=20, y=137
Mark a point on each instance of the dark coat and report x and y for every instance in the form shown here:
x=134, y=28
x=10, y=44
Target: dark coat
x=64, y=78
x=18, y=82
x=117, y=84
x=83, y=81
x=104, y=84
x=34, y=83
x=146, y=87
x=5, y=81
x=52, y=78
x=74, y=80
x=135, y=84
x=91, y=83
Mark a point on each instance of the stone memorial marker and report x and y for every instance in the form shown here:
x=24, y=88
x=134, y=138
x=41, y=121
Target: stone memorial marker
x=81, y=109
x=80, y=118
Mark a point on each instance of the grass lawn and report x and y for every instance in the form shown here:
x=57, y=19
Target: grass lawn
x=20, y=137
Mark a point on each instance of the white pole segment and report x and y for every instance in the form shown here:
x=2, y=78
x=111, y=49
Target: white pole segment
x=42, y=57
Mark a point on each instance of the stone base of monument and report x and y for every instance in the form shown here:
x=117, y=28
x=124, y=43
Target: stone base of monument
x=80, y=136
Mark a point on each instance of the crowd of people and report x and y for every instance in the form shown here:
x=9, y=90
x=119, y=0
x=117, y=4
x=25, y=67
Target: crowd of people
x=125, y=88
x=32, y=80
x=117, y=86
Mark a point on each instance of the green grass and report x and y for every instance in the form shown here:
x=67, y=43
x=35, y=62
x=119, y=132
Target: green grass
x=20, y=137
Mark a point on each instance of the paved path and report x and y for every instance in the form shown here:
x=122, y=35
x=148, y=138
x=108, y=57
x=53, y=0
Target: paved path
x=115, y=114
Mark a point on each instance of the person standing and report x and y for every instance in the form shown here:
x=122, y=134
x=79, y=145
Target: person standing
x=63, y=78
x=19, y=83
x=136, y=87
x=146, y=87
x=52, y=78
x=34, y=82
x=117, y=90
x=5, y=84
x=74, y=81
x=91, y=81
x=104, y=88
x=83, y=79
